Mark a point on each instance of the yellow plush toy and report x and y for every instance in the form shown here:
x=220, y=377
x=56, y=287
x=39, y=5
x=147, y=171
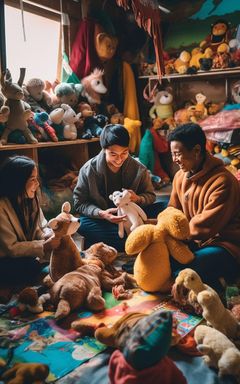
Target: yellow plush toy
x=133, y=127
x=154, y=244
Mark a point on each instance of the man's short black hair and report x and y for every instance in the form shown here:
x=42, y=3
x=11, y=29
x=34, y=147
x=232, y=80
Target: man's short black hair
x=189, y=135
x=114, y=134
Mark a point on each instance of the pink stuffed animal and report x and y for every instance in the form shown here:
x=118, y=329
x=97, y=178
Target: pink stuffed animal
x=93, y=86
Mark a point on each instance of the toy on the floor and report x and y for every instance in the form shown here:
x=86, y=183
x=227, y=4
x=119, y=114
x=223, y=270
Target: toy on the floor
x=135, y=216
x=104, y=256
x=143, y=356
x=116, y=335
x=26, y=373
x=66, y=257
x=187, y=286
x=28, y=299
x=81, y=287
x=217, y=315
x=93, y=86
x=20, y=111
x=218, y=351
x=154, y=245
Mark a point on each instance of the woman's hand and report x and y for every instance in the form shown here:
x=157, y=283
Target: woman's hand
x=110, y=215
x=51, y=244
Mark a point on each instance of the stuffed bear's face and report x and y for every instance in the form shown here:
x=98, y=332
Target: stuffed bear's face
x=106, y=46
x=36, y=91
x=163, y=97
x=120, y=198
x=101, y=251
x=219, y=29
x=86, y=110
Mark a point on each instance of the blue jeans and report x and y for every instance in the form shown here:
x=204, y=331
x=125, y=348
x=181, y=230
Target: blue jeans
x=210, y=263
x=96, y=230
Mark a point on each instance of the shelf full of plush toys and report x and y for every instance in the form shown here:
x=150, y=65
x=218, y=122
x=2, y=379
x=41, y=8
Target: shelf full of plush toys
x=41, y=112
x=218, y=53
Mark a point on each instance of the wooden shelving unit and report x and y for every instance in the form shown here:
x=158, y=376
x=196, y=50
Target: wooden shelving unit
x=78, y=150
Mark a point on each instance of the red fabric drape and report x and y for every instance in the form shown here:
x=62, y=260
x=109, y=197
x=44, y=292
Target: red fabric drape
x=147, y=15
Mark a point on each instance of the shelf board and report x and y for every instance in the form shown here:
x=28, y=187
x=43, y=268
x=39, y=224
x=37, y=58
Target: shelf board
x=10, y=147
x=211, y=73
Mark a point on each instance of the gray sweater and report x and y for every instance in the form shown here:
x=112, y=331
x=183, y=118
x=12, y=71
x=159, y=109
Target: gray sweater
x=90, y=194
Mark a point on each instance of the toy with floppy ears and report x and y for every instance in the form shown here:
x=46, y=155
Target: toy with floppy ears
x=154, y=244
x=135, y=215
x=218, y=351
x=66, y=257
x=20, y=111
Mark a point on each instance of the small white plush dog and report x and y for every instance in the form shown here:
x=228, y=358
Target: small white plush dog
x=217, y=315
x=135, y=215
x=219, y=352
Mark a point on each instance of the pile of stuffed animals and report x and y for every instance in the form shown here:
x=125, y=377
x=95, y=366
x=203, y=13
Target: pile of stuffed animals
x=36, y=111
x=219, y=50
x=76, y=280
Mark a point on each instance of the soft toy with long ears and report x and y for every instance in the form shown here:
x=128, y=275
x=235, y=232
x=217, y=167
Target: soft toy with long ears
x=66, y=257
x=217, y=315
x=154, y=245
x=134, y=214
x=93, y=86
x=20, y=111
x=218, y=351
x=187, y=286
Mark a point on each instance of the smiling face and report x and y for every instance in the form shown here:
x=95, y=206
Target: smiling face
x=187, y=159
x=32, y=184
x=115, y=156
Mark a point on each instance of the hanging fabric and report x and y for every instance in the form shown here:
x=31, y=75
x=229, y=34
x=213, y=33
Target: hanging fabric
x=67, y=74
x=147, y=16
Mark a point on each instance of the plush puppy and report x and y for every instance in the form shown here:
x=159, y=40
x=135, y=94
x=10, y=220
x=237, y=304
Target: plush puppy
x=218, y=351
x=217, y=315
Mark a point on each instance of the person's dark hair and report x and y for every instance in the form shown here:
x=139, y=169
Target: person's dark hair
x=14, y=173
x=114, y=134
x=189, y=135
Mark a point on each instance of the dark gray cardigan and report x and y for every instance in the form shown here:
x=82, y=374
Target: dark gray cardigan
x=90, y=193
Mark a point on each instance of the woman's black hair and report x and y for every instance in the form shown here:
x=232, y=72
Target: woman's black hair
x=114, y=134
x=189, y=135
x=14, y=173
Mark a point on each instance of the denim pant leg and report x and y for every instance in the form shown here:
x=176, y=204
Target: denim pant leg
x=210, y=263
x=154, y=209
x=96, y=230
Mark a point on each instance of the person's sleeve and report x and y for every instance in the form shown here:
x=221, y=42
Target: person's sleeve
x=81, y=198
x=146, y=191
x=218, y=211
x=10, y=245
x=174, y=199
x=43, y=231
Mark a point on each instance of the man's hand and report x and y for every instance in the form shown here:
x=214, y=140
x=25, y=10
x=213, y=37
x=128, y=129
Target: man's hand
x=134, y=197
x=110, y=215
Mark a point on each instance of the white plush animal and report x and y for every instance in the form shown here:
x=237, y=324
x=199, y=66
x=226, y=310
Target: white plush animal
x=69, y=120
x=219, y=352
x=135, y=215
x=217, y=315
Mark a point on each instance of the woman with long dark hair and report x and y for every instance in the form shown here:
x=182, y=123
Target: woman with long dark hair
x=25, y=239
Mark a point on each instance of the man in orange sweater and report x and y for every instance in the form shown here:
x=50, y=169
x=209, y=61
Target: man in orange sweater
x=209, y=195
